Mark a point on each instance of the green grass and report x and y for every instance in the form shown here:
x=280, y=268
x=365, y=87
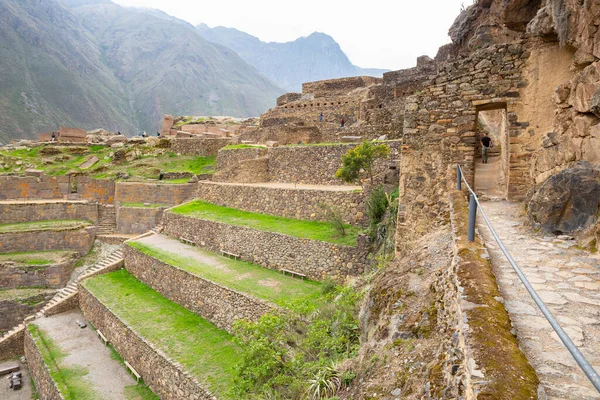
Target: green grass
x=315, y=230
x=175, y=181
x=37, y=226
x=22, y=294
x=202, y=349
x=260, y=282
x=243, y=146
x=70, y=381
x=36, y=257
x=144, y=205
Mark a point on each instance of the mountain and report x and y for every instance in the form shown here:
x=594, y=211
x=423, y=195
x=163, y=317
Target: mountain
x=92, y=64
x=306, y=59
x=168, y=68
x=51, y=73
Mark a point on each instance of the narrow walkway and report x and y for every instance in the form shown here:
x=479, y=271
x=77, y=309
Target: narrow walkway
x=487, y=179
x=567, y=279
x=101, y=376
x=280, y=185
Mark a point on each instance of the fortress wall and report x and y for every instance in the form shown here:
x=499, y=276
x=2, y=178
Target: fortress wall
x=154, y=193
x=35, y=211
x=201, y=147
x=333, y=109
x=317, y=260
x=137, y=220
x=53, y=276
x=33, y=187
x=318, y=164
x=79, y=240
x=220, y=305
x=99, y=190
x=165, y=377
x=227, y=158
x=338, y=86
x=290, y=203
x=44, y=384
x=440, y=126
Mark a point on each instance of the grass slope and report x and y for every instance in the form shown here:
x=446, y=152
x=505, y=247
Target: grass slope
x=260, y=282
x=37, y=226
x=315, y=230
x=35, y=257
x=202, y=349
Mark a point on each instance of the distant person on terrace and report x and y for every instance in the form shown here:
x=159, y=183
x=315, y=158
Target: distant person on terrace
x=321, y=117
x=53, y=136
x=486, y=143
x=343, y=121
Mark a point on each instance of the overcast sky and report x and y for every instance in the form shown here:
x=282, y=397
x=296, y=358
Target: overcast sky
x=377, y=34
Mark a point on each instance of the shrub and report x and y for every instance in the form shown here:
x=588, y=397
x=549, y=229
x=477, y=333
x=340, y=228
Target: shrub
x=377, y=204
x=334, y=216
x=359, y=161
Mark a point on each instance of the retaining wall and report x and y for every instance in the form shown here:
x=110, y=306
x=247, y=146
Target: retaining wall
x=165, y=377
x=52, y=276
x=220, y=305
x=133, y=220
x=231, y=157
x=33, y=187
x=318, y=260
x=12, y=344
x=157, y=193
x=13, y=312
x=100, y=190
x=79, y=240
x=44, y=384
x=24, y=211
x=290, y=203
x=202, y=147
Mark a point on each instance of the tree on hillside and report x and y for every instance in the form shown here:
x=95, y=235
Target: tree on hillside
x=358, y=162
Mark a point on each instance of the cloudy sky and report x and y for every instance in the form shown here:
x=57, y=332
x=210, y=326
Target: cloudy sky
x=377, y=34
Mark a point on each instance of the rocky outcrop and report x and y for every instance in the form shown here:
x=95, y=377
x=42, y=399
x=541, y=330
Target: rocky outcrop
x=567, y=201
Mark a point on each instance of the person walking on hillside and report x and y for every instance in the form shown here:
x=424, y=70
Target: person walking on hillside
x=53, y=136
x=343, y=122
x=321, y=117
x=486, y=143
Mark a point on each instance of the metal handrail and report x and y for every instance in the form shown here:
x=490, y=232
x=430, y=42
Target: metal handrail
x=584, y=364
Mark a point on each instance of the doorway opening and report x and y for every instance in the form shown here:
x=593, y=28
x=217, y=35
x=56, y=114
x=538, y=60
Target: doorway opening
x=491, y=177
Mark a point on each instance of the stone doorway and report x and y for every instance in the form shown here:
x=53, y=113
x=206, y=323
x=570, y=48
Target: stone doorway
x=491, y=179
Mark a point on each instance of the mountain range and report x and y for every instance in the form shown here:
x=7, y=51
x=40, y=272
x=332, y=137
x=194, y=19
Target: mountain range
x=95, y=64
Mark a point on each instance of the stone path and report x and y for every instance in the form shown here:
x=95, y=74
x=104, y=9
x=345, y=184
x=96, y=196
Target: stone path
x=280, y=185
x=567, y=279
x=106, y=377
x=487, y=178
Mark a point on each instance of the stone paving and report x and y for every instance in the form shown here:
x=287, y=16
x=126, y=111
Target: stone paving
x=567, y=280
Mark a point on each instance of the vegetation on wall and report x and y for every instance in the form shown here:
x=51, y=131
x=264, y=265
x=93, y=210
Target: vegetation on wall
x=357, y=163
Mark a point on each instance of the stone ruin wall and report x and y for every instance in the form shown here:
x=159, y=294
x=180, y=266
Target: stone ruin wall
x=15, y=311
x=220, y=305
x=341, y=86
x=154, y=193
x=34, y=211
x=227, y=158
x=32, y=187
x=200, y=147
x=44, y=384
x=138, y=220
x=164, y=376
x=56, y=275
x=79, y=240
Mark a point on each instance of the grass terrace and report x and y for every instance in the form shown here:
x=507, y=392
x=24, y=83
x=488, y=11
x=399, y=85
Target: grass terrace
x=50, y=225
x=36, y=257
x=22, y=294
x=314, y=230
x=205, y=351
x=260, y=282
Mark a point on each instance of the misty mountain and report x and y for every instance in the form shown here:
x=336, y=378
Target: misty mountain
x=306, y=59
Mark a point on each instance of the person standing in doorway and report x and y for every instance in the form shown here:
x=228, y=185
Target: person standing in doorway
x=342, y=122
x=321, y=117
x=486, y=143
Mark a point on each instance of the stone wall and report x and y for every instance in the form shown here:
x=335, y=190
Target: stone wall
x=164, y=377
x=202, y=147
x=229, y=157
x=220, y=305
x=290, y=203
x=53, y=276
x=317, y=260
x=32, y=187
x=44, y=384
x=318, y=164
x=440, y=132
x=338, y=86
x=12, y=344
x=79, y=240
x=15, y=311
x=154, y=193
x=24, y=211
x=99, y=190
x=135, y=220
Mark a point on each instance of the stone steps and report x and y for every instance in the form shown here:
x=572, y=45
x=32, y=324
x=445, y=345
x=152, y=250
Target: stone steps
x=107, y=220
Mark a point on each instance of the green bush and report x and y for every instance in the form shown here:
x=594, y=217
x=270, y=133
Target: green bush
x=333, y=215
x=359, y=161
x=377, y=204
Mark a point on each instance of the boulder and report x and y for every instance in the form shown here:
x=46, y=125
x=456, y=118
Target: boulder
x=567, y=201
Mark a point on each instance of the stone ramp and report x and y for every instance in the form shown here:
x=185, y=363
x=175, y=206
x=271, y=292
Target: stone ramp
x=567, y=280
x=85, y=353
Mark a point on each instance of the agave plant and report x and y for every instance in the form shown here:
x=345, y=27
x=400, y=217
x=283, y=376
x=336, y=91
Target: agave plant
x=325, y=383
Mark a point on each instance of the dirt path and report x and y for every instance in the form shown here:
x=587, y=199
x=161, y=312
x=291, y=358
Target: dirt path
x=568, y=280
x=105, y=376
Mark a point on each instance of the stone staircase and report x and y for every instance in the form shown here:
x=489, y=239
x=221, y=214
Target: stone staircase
x=107, y=220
